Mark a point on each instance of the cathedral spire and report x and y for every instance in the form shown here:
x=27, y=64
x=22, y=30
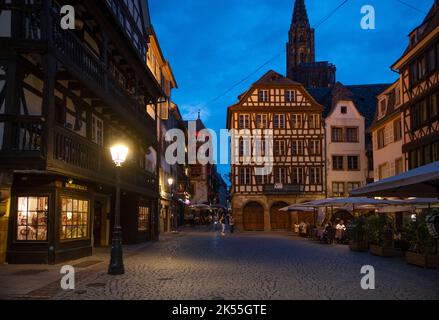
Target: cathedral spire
x=300, y=16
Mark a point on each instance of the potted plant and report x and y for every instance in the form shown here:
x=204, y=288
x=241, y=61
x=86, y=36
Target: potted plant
x=380, y=235
x=423, y=250
x=357, y=234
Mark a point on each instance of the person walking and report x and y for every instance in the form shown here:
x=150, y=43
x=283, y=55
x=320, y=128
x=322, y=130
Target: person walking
x=223, y=225
x=232, y=224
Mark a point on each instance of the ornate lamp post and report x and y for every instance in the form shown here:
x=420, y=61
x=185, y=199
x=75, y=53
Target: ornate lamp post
x=170, y=184
x=119, y=154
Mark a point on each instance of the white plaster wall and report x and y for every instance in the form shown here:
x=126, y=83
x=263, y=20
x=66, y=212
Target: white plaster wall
x=352, y=119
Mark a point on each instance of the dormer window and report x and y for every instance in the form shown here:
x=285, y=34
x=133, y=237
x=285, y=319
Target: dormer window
x=344, y=110
x=383, y=107
x=397, y=97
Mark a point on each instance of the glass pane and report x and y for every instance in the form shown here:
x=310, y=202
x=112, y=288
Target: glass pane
x=69, y=204
x=33, y=203
x=42, y=233
x=22, y=204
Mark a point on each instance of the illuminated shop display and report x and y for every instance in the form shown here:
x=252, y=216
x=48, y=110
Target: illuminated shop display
x=74, y=218
x=32, y=219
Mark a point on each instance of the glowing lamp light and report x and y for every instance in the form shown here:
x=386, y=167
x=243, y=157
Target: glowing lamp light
x=119, y=154
x=170, y=181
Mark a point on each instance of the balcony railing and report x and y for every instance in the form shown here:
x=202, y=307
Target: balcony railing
x=21, y=133
x=76, y=151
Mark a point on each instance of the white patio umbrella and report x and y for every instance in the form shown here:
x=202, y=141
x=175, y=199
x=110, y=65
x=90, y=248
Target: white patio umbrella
x=419, y=182
x=305, y=206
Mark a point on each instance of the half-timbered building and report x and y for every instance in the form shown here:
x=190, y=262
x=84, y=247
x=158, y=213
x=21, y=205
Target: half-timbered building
x=419, y=82
x=65, y=97
x=279, y=104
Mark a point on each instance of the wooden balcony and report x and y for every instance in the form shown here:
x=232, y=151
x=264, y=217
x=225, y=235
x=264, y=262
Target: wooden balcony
x=32, y=33
x=22, y=146
x=77, y=156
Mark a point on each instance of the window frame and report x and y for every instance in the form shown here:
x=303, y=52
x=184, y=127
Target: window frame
x=16, y=213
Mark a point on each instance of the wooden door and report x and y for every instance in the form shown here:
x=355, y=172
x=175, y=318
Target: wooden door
x=253, y=217
x=280, y=220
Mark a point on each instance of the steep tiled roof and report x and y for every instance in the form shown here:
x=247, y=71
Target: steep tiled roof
x=274, y=78
x=363, y=96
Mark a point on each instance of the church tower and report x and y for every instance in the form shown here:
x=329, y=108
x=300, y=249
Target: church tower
x=301, y=64
x=300, y=46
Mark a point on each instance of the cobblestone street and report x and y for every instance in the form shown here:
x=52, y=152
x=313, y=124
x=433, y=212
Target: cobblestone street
x=202, y=265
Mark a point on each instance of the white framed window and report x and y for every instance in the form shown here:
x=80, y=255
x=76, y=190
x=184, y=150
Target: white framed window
x=280, y=175
x=297, y=149
x=314, y=147
x=244, y=121
x=97, y=130
x=264, y=96
x=244, y=176
x=296, y=120
x=290, y=96
x=279, y=121
x=261, y=121
x=297, y=176
x=315, y=175
x=279, y=148
x=313, y=121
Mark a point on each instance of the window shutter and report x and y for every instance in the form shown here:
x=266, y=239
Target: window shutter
x=375, y=141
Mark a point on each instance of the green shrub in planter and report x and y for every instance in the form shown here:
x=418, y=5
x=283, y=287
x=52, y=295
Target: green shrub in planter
x=357, y=229
x=421, y=240
x=379, y=230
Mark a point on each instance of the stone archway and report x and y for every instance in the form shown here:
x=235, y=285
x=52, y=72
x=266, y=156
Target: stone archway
x=280, y=220
x=253, y=216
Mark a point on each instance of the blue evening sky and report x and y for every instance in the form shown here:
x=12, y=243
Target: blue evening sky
x=212, y=45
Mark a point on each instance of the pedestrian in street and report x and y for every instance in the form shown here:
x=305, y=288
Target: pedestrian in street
x=340, y=229
x=232, y=224
x=223, y=225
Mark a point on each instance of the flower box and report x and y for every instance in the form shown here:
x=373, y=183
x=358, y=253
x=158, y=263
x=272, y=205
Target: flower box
x=422, y=260
x=381, y=251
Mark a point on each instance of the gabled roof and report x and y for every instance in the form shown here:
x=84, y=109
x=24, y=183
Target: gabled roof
x=391, y=110
x=429, y=24
x=363, y=96
x=274, y=78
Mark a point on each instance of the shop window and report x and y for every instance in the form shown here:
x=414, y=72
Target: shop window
x=143, y=223
x=74, y=218
x=32, y=218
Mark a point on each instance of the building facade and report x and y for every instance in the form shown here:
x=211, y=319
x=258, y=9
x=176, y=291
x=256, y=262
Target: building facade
x=284, y=106
x=166, y=120
x=66, y=97
x=419, y=81
x=348, y=111
x=387, y=134
x=301, y=61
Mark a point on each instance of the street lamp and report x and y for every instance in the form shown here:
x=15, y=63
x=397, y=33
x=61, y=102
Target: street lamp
x=119, y=154
x=170, y=184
